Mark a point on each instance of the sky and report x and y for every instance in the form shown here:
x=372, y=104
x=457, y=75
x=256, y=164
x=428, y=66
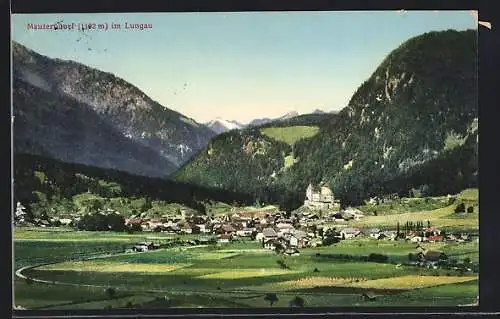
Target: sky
x=239, y=65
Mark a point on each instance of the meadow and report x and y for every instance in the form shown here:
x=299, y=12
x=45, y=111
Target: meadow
x=79, y=267
x=291, y=134
x=436, y=210
x=227, y=275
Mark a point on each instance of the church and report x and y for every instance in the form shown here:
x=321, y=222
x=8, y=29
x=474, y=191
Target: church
x=320, y=197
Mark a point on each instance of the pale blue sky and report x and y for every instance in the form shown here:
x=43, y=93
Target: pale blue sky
x=240, y=66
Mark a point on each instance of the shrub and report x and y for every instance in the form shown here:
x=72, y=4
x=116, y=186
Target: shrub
x=110, y=292
x=377, y=257
x=470, y=209
x=297, y=302
x=316, y=270
x=460, y=208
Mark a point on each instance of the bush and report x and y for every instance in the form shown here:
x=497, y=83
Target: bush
x=316, y=270
x=460, y=208
x=470, y=209
x=110, y=292
x=282, y=264
x=377, y=258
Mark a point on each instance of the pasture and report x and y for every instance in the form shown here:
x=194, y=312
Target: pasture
x=291, y=134
x=227, y=275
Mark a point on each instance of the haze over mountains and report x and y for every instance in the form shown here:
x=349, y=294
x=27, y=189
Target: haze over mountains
x=221, y=126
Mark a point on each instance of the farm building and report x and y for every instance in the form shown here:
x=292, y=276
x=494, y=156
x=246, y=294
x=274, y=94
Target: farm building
x=349, y=232
x=143, y=246
x=269, y=233
x=224, y=238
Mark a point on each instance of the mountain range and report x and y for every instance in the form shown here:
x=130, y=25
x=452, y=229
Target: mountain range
x=220, y=126
x=79, y=114
x=412, y=123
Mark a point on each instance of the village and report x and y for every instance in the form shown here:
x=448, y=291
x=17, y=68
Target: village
x=319, y=222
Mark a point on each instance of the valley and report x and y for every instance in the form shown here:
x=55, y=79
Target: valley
x=200, y=268
x=122, y=202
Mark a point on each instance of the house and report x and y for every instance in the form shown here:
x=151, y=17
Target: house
x=433, y=239
x=245, y=232
x=337, y=216
x=292, y=252
x=259, y=237
x=299, y=239
x=224, y=238
x=432, y=231
x=271, y=243
x=320, y=197
x=269, y=233
x=373, y=233
x=416, y=239
x=284, y=226
x=431, y=258
x=65, y=221
x=227, y=229
x=186, y=230
x=202, y=228
x=349, y=233
x=353, y=213
x=143, y=246
x=44, y=223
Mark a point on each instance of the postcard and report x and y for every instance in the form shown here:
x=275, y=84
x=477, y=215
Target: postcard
x=245, y=160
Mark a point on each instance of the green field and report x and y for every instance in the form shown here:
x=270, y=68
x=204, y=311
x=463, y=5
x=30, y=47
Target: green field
x=442, y=217
x=230, y=275
x=291, y=134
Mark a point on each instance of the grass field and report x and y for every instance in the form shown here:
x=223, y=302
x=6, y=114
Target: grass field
x=442, y=217
x=239, y=274
x=290, y=134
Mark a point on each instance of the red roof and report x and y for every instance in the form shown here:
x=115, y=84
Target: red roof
x=435, y=238
x=134, y=222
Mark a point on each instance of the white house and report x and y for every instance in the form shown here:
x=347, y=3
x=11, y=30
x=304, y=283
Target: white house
x=65, y=221
x=245, y=232
x=349, y=232
x=259, y=237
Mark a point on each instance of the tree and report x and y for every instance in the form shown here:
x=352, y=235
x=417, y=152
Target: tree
x=397, y=231
x=116, y=222
x=330, y=237
x=271, y=298
x=321, y=232
x=253, y=235
x=428, y=224
x=110, y=292
x=460, y=208
x=297, y=302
